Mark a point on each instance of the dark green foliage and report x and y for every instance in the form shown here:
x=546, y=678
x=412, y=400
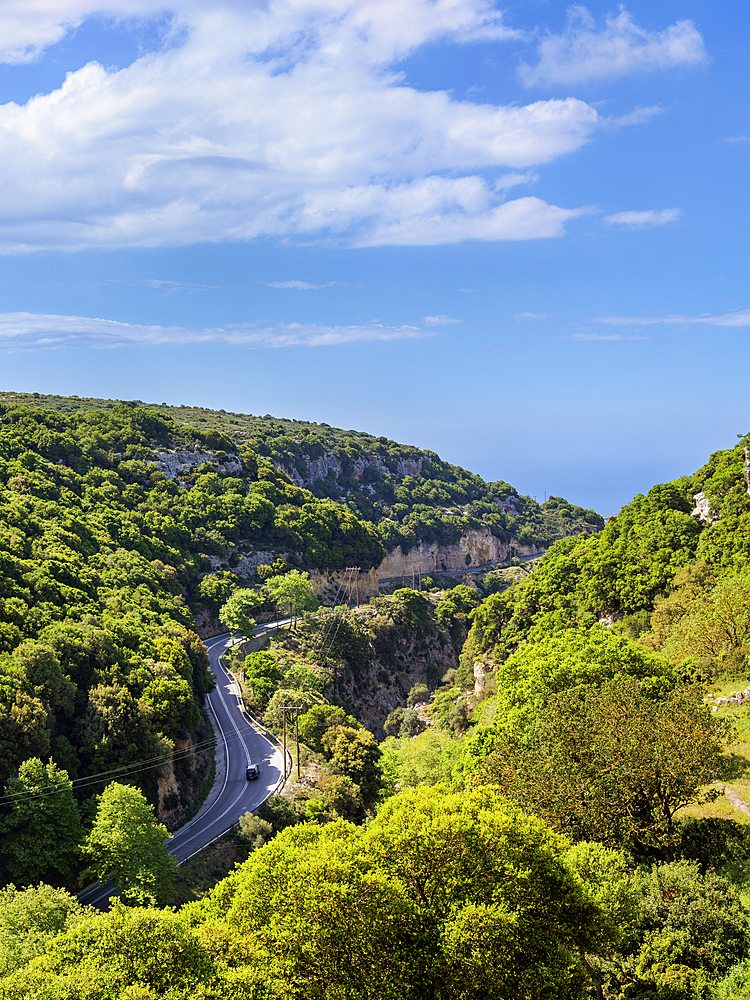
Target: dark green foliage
x=42, y=831
x=714, y=842
x=279, y=812
x=689, y=928
x=612, y=763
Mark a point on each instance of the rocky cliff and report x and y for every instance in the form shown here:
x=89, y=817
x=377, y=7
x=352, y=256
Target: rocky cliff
x=318, y=468
x=480, y=546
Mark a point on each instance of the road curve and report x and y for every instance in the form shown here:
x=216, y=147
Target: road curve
x=242, y=743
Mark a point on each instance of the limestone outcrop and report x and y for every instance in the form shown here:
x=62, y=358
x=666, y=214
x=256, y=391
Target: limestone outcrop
x=481, y=546
x=318, y=468
x=178, y=463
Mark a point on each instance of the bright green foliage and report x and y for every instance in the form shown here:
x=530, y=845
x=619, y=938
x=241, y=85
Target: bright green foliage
x=689, y=584
x=305, y=700
x=316, y=722
x=168, y=703
x=127, y=845
x=429, y=758
x=236, y=612
x=613, y=764
x=292, y=592
x=354, y=753
x=41, y=833
x=127, y=954
x=736, y=985
x=443, y=896
x=30, y=919
x=567, y=660
x=215, y=589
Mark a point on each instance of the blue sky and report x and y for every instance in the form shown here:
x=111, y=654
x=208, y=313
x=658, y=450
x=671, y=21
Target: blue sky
x=516, y=235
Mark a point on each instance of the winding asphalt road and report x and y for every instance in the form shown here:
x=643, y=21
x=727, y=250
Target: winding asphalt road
x=242, y=743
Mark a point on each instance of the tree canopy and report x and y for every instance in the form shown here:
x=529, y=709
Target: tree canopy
x=126, y=844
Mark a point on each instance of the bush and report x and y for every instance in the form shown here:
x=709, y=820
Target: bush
x=258, y=831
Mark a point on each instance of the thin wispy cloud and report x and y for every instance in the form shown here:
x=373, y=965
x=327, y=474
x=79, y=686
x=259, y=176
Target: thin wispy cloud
x=302, y=286
x=179, y=286
x=26, y=331
x=735, y=318
x=644, y=219
x=440, y=321
x=737, y=139
x=583, y=53
x=607, y=336
x=523, y=316
x=637, y=116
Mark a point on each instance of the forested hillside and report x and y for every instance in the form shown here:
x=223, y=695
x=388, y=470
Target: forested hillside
x=407, y=494
x=113, y=519
x=537, y=809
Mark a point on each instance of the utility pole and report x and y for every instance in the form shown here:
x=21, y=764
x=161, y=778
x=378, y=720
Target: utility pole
x=296, y=728
x=296, y=709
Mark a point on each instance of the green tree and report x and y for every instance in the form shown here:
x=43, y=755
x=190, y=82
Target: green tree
x=355, y=753
x=444, y=896
x=215, y=589
x=293, y=592
x=716, y=623
x=316, y=722
x=235, y=613
x=31, y=918
x=612, y=764
x=42, y=833
x=126, y=844
x=262, y=673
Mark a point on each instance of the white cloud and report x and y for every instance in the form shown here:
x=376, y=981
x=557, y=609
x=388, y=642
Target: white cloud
x=637, y=116
x=639, y=220
x=440, y=321
x=737, y=139
x=581, y=53
x=736, y=318
x=25, y=331
x=302, y=286
x=283, y=118
x=522, y=317
x=607, y=336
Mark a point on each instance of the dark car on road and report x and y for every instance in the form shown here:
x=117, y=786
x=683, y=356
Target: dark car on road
x=252, y=771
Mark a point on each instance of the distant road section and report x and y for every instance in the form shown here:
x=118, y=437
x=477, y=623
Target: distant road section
x=242, y=742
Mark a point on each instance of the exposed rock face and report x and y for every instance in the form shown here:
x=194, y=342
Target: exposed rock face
x=481, y=670
x=247, y=562
x=318, y=468
x=371, y=693
x=178, y=463
x=481, y=545
x=702, y=509
x=344, y=587
x=177, y=796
